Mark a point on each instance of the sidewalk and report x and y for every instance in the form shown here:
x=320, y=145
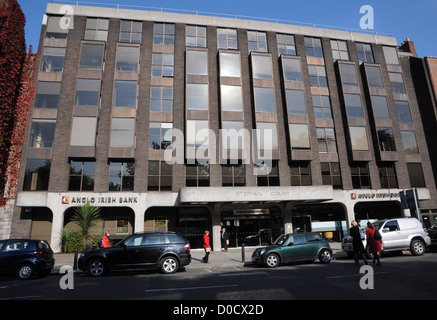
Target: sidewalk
x=217, y=259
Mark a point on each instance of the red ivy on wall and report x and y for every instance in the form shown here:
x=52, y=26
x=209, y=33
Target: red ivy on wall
x=16, y=93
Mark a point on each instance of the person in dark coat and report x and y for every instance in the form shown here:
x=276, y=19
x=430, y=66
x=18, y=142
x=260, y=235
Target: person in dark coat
x=225, y=239
x=206, y=246
x=357, y=243
x=375, y=246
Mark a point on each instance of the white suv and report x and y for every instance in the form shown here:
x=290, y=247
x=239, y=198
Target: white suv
x=397, y=234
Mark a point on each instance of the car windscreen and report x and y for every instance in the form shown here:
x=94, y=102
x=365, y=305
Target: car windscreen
x=281, y=240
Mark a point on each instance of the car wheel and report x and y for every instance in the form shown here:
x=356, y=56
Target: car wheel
x=169, y=265
x=325, y=256
x=417, y=247
x=96, y=268
x=25, y=272
x=272, y=260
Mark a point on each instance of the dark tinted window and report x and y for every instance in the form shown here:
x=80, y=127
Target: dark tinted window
x=313, y=237
x=299, y=239
x=392, y=225
x=173, y=238
x=152, y=239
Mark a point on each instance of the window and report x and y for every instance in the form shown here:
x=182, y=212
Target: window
x=83, y=132
x=197, y=62
x=227, y=38
x=286, y=44
x=397, y=82
x=233, y=175
x=125, y=94
x=313, y=47
x=331, y=174
x=300, y=174
x=264, y=100
x=123, y=132
x=160, y=135
x=96, y=29
x=358, y=136
x=82, y=175
x=300, y=137
x=196, y=36
x=91, y=56
x=292, y=69
x=197, y=175
x=121, y=176
x=161, y=99
x=364, y=52
x=360, y=176
x=54, y=29
x=197, y=133
x=268, y=179
x=87, y=92
x=163, y=33
x=197, y=96
x=267, y=139
x=380, y=108
x=231, y=98
x=257, y=41
x=348, y=74
x=127, y=58
x=261, y=67
x=230, y=64
x=339, y=50
x=326, y=140
x=317, y=76
x=374, y=76
x=409, y=141
x=415, y=172
x=159, y=176
x=353, y=105
x=52, y=59
x=36, y=175
x=42, y=133
x=387, y=176
x=322, y=107
x=130, y=31
x=295, y=101
x=232, y=139
x=403, y=111
x=391, y=55
x=47, y=95
x=162, y=65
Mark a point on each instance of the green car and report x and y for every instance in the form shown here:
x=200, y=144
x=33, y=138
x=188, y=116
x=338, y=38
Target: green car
x=294, y=247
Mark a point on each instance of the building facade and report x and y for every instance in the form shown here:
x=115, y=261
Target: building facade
x=272, y=126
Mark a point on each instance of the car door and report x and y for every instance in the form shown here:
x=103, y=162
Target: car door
x=154, y=246
x=296, y=248
x=11, y=255
x=314, y=242
x=391, y=235
x=126, y=253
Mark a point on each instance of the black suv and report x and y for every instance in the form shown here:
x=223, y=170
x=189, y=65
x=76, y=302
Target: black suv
x=25, y=257
x=165, y=250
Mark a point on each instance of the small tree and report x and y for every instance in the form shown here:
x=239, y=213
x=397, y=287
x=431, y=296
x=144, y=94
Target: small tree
x=86, y=217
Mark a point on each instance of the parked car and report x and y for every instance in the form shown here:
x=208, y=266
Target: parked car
x=398, y=234
x=294, y=247
x=432, y=233
x=25, y=258
x=263, y=236
x=165, y=250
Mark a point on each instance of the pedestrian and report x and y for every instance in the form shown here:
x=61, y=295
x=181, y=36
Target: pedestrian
x=357, y=243
x=105, y=240
x=225, y=239
x=206, y=246
x=375, y=245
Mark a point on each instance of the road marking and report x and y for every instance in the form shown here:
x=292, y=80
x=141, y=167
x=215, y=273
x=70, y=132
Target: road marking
x=192, y=288
x=352, y=275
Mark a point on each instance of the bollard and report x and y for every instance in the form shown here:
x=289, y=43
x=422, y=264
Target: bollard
x=75, y=260
x=243, y=258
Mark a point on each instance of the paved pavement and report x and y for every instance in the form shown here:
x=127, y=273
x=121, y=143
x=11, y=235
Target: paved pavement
x=217, y=259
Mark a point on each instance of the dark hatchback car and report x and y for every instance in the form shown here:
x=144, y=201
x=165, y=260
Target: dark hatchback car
x=25, y=258
x=165, y=250
x=294, y=247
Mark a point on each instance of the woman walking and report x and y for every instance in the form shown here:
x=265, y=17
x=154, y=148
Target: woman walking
x=375, y=244
x=206, y=246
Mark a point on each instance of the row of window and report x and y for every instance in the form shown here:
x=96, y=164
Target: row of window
x=121, y=175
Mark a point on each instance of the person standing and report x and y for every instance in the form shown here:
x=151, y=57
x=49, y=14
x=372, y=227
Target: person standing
x=225, y=239
x=375, y=245
x=357, y=243
x=206, y=246
x=105, y=240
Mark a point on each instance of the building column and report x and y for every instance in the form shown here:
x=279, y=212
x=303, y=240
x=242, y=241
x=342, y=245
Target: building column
x=57, y=226
x=216, y=227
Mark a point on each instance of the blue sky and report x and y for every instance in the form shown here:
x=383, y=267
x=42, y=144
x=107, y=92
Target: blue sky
x=401, y=19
